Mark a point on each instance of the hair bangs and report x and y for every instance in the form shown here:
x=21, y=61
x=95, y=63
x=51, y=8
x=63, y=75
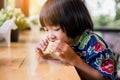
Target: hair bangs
x=49, y=15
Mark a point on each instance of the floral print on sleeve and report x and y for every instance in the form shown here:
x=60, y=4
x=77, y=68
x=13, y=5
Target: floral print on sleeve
x=96, y=53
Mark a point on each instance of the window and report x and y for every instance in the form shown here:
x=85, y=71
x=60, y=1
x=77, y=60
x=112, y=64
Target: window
x=104, y=13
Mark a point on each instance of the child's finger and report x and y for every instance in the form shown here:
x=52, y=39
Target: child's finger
x=39, y=51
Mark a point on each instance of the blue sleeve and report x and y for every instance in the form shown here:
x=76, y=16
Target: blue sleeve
x=100, y=57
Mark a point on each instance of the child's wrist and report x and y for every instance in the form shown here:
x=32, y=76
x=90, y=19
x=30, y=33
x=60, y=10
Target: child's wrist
x=76, y=61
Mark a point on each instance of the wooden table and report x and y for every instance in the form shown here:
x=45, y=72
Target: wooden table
x=19, y=62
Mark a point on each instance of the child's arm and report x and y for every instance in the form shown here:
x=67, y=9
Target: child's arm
x=67, y=54
x=87, y=71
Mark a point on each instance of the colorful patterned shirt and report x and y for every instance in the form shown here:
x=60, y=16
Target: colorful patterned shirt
x=95, y=52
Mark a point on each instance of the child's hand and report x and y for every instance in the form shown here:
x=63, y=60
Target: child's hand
x=65, y=52
x=41, y=47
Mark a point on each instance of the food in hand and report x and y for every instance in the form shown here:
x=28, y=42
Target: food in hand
x=49, y=50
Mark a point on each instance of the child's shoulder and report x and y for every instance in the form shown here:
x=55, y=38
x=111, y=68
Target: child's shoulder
x=92, y=37
x=89, y=34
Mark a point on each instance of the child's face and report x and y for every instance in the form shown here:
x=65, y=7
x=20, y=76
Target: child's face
x=55, y=33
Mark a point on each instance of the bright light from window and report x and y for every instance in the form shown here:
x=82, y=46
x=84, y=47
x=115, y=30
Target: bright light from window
x=35, y=6
x=98, y=7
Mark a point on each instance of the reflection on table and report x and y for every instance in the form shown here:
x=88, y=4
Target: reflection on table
x=20, y=62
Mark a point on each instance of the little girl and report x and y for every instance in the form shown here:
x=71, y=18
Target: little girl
x=68, y=25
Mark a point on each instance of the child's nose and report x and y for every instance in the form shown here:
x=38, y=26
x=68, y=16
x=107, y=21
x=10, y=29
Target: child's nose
x=50, y=34
x=51, y=37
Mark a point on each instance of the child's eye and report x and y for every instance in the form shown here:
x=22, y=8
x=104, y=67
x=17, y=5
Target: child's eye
x=57, y=29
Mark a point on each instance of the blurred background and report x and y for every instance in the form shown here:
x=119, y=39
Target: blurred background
x=105, y=15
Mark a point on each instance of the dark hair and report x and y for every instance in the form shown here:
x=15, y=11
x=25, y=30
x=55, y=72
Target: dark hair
x=71, y=15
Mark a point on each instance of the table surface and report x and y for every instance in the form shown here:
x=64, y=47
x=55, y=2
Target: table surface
x=20, y=62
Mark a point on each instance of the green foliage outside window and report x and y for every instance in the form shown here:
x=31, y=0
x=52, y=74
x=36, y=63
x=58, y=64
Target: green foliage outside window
x=105, y=21
x=9, y=13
